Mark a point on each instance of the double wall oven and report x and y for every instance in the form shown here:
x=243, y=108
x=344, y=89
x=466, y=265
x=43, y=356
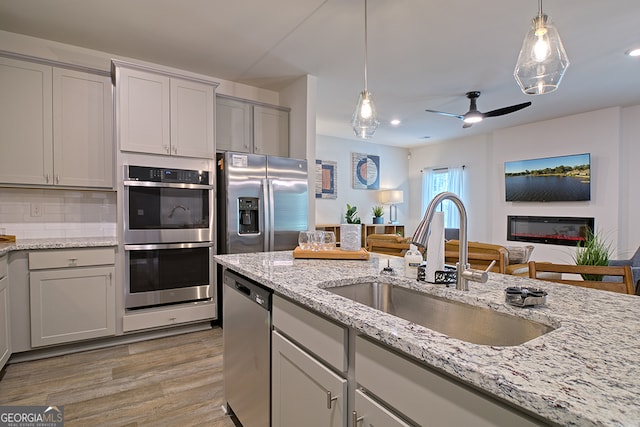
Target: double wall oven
x=168, y=236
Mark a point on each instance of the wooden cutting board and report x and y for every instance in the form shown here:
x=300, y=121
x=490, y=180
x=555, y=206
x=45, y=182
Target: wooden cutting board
x=337, y=253
x=6, y=238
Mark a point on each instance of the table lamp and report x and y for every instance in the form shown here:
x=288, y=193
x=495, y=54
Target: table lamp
x=392, y=198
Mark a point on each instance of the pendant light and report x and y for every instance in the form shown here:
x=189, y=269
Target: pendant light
x=542, y=61
x=365, y=121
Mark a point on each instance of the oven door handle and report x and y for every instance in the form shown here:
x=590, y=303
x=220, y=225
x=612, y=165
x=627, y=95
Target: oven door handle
x=167, y=185
x=154, y=246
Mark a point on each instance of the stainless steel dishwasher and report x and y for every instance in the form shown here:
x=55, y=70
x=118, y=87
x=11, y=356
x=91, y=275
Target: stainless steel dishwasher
x=246, y=323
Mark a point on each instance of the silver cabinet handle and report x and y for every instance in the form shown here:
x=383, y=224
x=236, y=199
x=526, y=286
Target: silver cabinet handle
x=330, y=399
x=57, y=179
x=47, y=179
x=355, y=419
x=166, y=148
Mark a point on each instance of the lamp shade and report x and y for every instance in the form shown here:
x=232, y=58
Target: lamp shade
x=391, y=197
x=542, y=61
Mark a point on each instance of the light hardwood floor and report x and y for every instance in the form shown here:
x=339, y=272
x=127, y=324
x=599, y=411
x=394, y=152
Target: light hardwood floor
x=173, y=381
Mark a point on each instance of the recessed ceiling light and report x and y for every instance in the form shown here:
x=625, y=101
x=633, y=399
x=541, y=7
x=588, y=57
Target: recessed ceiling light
x=395, y=122
x=633, y=51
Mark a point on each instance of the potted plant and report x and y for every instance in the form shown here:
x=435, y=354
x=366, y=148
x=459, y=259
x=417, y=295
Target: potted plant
x=592, y=251
x=351, y=232
x=377, y=214
x=352, y=215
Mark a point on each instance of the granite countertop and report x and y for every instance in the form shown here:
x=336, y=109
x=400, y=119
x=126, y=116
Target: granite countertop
x=582, y=373
x=57, y=243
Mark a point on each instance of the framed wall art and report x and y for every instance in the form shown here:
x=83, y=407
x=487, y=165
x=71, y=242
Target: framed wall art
x=326, y=179
x=365, y=169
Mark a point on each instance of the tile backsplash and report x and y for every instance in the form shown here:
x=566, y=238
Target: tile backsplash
x=44, y=213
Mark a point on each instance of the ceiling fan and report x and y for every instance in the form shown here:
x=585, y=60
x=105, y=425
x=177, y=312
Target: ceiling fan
x=474, y=116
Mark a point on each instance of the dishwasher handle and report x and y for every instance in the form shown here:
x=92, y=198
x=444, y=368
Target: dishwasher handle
x=243, y=289
x=249, y=289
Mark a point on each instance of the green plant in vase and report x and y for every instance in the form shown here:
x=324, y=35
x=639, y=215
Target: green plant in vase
x=592, y=251
x=352, y=215
x=377, y=214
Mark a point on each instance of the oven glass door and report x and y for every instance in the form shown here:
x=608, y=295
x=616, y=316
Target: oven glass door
x=158, y=214
x=167, y=274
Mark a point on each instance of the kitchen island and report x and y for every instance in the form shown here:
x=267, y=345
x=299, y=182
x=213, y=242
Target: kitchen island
x=582, y=373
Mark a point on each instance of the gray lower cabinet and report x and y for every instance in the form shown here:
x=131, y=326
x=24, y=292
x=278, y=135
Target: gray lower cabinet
x=308, y=368
x=325, y=374
x=369, y=413
x=5, y=327
x=72, y=295
x=304, y=391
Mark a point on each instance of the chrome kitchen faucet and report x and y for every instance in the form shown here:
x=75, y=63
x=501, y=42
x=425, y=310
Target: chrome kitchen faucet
x=463, y=271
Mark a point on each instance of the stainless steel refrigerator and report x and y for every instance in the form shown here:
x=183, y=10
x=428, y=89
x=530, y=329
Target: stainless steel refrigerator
x=262, y=202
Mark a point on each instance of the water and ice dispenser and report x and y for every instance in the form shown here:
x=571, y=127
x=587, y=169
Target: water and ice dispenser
x=248, y=215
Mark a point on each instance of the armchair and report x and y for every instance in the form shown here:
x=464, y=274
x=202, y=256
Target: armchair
x=634, y=263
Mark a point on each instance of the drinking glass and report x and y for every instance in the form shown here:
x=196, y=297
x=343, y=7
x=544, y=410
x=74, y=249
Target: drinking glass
x=317, y=240
x=304, y=240
x=329, y=241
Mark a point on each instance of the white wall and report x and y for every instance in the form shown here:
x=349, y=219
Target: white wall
x=393, y=175
x=609, y=135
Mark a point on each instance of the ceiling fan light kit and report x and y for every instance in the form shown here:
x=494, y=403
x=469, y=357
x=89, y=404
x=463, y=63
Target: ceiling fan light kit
x=365, y=121
x=543, y=60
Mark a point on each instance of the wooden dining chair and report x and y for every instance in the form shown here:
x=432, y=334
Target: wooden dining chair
x=625, y=286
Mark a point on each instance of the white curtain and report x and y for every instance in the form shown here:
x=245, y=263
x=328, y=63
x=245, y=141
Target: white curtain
x=437, y=180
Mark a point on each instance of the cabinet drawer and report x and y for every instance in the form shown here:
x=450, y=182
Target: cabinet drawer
x=426, y=396
x=320, y=336
x=161, y=317
x=3, y=266
x=61, y=258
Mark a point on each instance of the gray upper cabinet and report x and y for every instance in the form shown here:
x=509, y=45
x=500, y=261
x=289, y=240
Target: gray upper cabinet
x=57, y=126
x=251, y=128
x=167, y=115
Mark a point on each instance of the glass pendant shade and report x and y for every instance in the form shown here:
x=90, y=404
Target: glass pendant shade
x=364, y=121
x=542, y=61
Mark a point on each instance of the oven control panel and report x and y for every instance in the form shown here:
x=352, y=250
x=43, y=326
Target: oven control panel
x=182, y=176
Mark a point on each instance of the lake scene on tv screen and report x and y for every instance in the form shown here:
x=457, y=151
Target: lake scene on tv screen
x=551, y=179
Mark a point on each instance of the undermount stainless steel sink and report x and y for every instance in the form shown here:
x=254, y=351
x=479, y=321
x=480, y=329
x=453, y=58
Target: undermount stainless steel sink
x=458, y=320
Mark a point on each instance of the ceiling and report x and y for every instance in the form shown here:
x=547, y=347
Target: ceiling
x=422, y=54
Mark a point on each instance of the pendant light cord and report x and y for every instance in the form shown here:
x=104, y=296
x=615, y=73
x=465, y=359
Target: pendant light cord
x=540, y=8
x=366, y=46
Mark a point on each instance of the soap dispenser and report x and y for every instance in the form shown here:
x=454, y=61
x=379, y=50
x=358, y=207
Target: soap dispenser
x=412, y=260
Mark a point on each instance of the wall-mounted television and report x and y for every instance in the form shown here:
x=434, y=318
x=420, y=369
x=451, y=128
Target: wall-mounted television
x=549, y=179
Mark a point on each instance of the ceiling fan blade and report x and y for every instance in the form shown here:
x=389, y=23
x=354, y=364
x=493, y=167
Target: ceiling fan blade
x=442, y=113
x=506, y=110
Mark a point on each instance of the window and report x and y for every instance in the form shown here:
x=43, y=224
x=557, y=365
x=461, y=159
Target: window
x=437, y=180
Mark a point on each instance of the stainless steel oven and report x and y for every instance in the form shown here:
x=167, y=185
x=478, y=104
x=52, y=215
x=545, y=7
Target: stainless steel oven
x=168, y=236
x=167, y=205
x=161, y=274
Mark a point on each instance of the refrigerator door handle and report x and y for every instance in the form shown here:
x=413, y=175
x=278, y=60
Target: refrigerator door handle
x=271, y=215
x=266, y=209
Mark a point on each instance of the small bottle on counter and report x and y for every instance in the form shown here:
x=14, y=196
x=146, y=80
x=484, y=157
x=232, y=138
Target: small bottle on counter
x=412, y=260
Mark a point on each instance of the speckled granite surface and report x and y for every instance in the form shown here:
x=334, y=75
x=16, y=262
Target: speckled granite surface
x=583, y=373
x=58, y=243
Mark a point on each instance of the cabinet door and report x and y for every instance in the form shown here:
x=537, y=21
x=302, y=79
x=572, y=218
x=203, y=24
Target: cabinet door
x=71, y=304
x=5, y=329
x=26, y=153
x=369, y=413
x=192, y=119
x=233, y=125
x=270, y=131
x=83, y=128
x=304, y=391
x=143, y=111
